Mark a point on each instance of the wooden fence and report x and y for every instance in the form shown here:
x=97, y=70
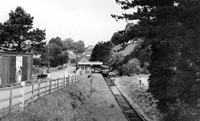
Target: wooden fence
x=15, y=98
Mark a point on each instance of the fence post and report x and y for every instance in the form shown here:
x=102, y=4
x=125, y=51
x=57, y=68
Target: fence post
x=50, y=86
x=32, y=92
x=57, y=83
x=68, y=80
x=38, y=88
x=71, y=81
x=74, y=80
x=22, y=95
x=45, y=88
x=63, y=81
x=10, y=101
x=78, y=78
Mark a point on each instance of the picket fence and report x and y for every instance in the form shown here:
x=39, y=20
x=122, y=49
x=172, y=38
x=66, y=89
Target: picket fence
x=15, y=98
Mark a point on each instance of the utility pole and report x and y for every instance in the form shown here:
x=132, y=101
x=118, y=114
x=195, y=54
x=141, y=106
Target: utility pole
x=76, y=61
x=48, y=58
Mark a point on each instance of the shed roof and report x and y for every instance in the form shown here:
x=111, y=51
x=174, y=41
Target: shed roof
x=90, y=63
x=84, y=60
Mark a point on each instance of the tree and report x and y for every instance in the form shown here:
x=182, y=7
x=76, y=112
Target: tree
x=114, y=60
x=17, y=33
x=131, y=67
x=79, y=46
x=57, y=41
x=57, y=53
x=170, y=30
x=68, y=43
x=65, y=56
x=101, y=52
x=123, y=37
x=45, y=56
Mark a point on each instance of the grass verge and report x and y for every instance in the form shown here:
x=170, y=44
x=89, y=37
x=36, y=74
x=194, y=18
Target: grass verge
x=140, y=98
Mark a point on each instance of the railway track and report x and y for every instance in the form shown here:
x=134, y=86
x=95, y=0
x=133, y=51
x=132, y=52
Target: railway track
x=130, y=113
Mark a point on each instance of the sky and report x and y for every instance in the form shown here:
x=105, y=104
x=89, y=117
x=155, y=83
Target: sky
x=87, y=20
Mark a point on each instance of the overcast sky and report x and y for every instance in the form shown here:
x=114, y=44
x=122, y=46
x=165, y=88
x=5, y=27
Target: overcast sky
x=87, y=20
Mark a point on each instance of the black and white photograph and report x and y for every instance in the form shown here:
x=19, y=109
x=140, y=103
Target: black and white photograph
x=100, y=60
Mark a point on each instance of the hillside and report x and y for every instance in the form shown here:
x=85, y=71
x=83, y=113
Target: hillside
x=129, y=48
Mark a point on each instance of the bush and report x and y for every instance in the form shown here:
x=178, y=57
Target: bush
x=146, y=102
x=182, y=112
x=143, y=99
x=36, y=70
x=132, y=67
x=37, y=61
x=59, y=67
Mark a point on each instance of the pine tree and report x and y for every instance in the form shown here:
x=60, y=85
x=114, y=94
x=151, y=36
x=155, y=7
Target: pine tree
x=170, y=30
x=101, y=51
x=17, y=33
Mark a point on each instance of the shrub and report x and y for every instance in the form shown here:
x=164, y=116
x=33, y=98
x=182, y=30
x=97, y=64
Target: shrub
x=130, y=68
x=143, y=99
x=146, y=102
x=36, y=70
x=114, y=60
x=59, y=67
x=182, y=112
x=37, y=61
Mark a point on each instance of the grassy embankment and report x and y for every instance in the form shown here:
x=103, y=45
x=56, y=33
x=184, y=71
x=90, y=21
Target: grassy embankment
x=74, y=103
x=139, y=97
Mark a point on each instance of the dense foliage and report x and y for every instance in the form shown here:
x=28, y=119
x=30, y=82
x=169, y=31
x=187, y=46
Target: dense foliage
x=122, y=37
x=170, y=30
x=114, y=60
x=77, y=47
x=101, y=52
x=131, y=67
x=17, y=33
x=145, y=103
x=54, y=53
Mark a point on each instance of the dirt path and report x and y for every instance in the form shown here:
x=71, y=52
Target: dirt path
x=74, y=103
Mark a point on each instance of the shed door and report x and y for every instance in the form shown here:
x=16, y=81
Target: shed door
x=12, y=69
x=24, y=68
x=29, y=68
x=1, y=66
x=5, y=70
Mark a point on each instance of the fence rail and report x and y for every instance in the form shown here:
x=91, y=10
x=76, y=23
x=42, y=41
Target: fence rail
x=17, y=97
